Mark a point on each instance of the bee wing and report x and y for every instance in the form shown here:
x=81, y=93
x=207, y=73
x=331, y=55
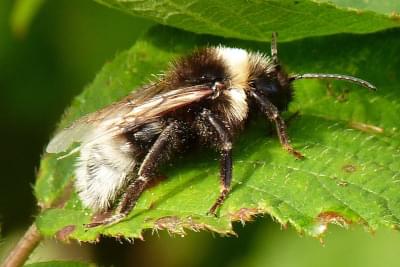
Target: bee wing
x=125, y=116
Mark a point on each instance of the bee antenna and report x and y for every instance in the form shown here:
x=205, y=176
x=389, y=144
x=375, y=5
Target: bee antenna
x=274, y=48
x=334, y=77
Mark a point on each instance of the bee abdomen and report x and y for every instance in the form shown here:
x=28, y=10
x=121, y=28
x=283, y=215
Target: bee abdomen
x=103, y=169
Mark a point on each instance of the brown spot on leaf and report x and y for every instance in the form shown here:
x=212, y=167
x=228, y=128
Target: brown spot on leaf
x=395, y=227
x=60, y=201
x=245, y=214
x=152, y=205
x=340, y=96
x=64, y=233
x=172, y=224
x=100, y=217
x=65, y=196
x=342, y=183
x=167, y=221
x=366, y=127
x=395, y=16
x=349, y=168
x=327, y=217
x=343, y=96
x=148, y=219
x=176, y=225
x=155, y=181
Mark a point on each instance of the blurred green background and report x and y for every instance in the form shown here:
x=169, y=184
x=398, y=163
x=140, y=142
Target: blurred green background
x=66, y=45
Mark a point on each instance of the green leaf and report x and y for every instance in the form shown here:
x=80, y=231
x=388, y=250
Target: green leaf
x=388, y=7
x=22, y=15
x=255, y=20
x=274, y=247
x=59, y=264
x=350, y=138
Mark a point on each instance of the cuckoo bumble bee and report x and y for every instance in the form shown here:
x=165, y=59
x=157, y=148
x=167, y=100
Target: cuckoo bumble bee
x=204, y=98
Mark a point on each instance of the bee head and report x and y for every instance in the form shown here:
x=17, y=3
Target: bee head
x=270, y=79
x=276, y=86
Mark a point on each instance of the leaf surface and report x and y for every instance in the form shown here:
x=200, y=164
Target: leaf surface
x=350, y=138
x=388, y=7
x=255, y=20
x=59, y=264
x=23, y=14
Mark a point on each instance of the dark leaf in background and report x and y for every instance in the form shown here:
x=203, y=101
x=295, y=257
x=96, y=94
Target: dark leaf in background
x=255, y=20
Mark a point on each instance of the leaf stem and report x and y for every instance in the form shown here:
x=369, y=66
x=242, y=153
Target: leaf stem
x=24, y=248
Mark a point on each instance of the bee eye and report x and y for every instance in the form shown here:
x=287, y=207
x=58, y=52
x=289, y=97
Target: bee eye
x=211, y=79
x=208, y=78
x=266, y=85
x=252, y=84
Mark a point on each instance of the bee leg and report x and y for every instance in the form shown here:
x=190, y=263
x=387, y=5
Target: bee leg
x=160, y=151
x=273, y=115
x=224, y=145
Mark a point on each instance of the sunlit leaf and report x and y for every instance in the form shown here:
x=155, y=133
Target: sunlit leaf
x=255, y=20
x=23, y=13
x=350, y=138
x=59, y=264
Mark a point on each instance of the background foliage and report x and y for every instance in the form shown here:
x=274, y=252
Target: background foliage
x=59, y=68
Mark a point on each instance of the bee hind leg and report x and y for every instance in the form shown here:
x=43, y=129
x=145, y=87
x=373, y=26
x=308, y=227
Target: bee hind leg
x=166, y=143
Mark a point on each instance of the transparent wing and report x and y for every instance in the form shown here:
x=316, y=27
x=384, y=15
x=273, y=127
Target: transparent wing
x=125, y=115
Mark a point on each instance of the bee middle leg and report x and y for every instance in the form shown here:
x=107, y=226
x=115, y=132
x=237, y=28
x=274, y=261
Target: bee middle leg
x=273, y=115
x=224, y=145
x=165, y=144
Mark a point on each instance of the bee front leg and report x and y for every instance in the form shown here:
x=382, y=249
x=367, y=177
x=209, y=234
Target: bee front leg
x=224, y=145
x=273, y=115
x=166, y=143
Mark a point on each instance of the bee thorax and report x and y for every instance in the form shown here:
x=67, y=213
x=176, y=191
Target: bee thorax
x=237, y=62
